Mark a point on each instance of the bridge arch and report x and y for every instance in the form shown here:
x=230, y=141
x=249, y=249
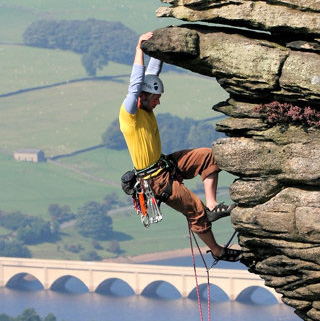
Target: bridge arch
x=158, y=288
x=216, y=293
x=105, y=279
x=69, y=283
x=24, y=281
x=115, y=286
x=248, y=295
x=15, y=274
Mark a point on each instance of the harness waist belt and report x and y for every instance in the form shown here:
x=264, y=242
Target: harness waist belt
x=153, y=169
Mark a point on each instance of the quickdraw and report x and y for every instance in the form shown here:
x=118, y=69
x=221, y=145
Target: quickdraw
x=146, y=204
x=135, y=183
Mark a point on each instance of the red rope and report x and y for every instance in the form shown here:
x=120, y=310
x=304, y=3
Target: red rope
x=191, y=235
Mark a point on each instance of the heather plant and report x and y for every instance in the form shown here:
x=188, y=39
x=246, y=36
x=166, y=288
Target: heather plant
x=286, y=114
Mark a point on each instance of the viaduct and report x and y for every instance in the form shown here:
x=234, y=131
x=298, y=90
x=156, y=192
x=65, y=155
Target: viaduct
x=142, y=278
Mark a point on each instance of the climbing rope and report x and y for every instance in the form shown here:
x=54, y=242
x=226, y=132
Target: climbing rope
x=192, y=236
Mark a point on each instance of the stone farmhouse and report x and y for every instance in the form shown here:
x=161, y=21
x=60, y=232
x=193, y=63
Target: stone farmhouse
x=29, y=155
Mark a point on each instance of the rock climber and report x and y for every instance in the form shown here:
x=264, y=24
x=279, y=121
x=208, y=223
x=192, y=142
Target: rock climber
x=139, y=127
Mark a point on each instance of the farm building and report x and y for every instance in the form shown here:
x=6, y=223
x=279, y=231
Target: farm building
x=29, y=155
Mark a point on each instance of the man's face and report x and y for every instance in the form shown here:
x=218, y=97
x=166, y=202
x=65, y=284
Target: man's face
x=150, y=102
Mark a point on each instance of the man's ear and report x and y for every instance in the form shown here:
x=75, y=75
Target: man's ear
x=140, y=101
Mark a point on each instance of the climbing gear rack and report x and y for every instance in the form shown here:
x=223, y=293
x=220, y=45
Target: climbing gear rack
x=146, y=204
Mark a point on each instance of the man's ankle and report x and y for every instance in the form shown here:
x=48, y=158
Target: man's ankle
x=210, y=207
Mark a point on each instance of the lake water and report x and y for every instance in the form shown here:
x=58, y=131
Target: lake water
x=79, y=305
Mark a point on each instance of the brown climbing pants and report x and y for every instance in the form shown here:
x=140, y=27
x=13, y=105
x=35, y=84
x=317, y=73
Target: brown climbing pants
x=190, y=163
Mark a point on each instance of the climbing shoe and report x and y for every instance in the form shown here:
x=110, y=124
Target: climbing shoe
x=230, y=255
x=219, y=211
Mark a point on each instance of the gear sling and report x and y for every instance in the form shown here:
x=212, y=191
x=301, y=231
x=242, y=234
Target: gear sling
x=135, y=183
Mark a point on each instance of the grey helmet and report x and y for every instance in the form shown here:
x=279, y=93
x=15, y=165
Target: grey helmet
x=152, y=84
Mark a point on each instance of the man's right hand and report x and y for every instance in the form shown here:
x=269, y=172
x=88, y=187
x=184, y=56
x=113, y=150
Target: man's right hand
x=144, y=37
x=138, y=59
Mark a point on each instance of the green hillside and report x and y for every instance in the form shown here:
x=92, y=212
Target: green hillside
x=28, y=67
x=70, y=112
x=31, y=187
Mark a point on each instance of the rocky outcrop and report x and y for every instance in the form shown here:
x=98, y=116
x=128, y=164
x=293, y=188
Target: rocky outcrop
x=264, y=51
x=250, y=66
x=278, y=17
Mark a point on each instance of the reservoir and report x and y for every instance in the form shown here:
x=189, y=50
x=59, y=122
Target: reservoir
x=76, y=304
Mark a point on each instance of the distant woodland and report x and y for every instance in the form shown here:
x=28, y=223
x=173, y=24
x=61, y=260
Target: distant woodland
x=91, y=220
x=97, y=41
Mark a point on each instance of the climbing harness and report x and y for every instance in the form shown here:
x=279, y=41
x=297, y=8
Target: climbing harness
x=192, y=236
x=136, y=184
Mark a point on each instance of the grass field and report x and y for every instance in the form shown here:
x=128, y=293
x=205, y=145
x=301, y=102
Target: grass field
x=27, y=67
x=72, y=116
x=60, y=119
x=31, y=188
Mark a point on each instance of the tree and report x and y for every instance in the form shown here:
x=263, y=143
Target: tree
x=114, y=247
x=112, y=137
x=13, y=248
x=90, y=256
x=60, y=213
x=50, y=317
x=30, y=229
x=29, y=315
x=87, y=60
x=37, y=231
x=14, y=220
x=5, y=317
x=55, y=211
x=93, y=221
x=95, y=58
x=37, y=34
x=110, y=200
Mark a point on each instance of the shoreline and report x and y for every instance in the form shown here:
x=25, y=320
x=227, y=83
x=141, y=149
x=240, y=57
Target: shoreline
x=155, y=256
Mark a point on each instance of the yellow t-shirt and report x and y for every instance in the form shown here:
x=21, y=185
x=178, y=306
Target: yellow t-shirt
x=142, y=136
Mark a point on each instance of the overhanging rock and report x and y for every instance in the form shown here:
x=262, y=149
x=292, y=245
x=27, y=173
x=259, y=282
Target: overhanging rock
x=278, y=168
x=246, y=64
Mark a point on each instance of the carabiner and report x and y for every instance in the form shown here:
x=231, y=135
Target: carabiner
x=145, y=220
